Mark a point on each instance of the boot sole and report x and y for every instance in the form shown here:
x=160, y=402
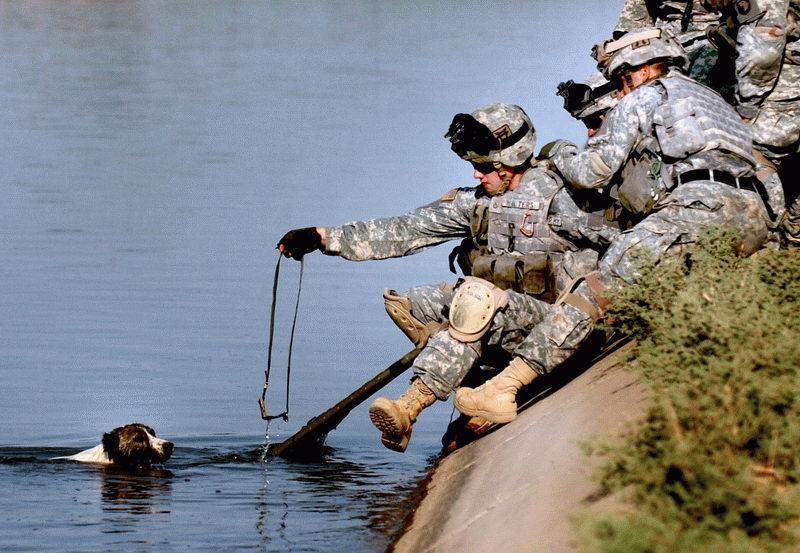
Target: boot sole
x=392, y=436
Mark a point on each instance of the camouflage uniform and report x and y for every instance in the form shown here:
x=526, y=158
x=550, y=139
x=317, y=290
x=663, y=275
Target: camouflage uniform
x=768, y=90
x=677, y=218
x=444, y=361
x=703, y=56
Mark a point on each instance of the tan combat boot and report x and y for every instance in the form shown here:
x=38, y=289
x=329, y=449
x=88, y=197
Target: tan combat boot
x=496, y=399
x=394, y=418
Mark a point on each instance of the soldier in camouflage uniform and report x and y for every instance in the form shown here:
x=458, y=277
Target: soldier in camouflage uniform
x=768, y=94
x=705, y=28
x=685, y=160
x=523, y=238
x=590, y=101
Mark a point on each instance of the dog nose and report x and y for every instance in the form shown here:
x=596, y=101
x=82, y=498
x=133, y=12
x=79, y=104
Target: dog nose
x=168, y=446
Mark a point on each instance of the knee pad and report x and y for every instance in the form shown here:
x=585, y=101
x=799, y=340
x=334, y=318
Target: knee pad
x=473, y=307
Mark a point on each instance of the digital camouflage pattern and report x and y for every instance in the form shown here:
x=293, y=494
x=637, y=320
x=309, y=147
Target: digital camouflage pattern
x=630, y=124
x=444, y=361
x=645, y=45
x=768, y=93
x=703, y=56
x=677, y=219
x=449, y=218
x=768, y=75
x=558, y=330
x=503, y=120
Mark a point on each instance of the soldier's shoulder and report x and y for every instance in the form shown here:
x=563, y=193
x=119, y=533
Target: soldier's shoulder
x=644, y=97
x=540, y=171
x=459, y=192
x=648, y=92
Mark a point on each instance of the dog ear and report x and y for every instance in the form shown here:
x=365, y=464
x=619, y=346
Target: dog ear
x=111, y=443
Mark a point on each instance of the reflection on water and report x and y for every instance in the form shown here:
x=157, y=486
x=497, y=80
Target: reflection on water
x=141, y=491
x=336, y=483
x=193, y=498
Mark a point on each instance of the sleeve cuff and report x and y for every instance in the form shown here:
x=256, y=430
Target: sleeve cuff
x=333, y=240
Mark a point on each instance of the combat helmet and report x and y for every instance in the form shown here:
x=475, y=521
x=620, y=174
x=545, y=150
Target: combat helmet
x=597, y=95
x=500, y=134
x=635, y=48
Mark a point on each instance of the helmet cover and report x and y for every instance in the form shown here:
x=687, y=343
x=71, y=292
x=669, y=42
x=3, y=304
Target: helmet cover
x=635, y=48
x=496, y=133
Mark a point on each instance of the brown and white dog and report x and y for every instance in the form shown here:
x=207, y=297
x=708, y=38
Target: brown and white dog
x=132, y=445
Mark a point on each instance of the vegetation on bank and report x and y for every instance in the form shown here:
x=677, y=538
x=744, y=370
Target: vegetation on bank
x=715, y=464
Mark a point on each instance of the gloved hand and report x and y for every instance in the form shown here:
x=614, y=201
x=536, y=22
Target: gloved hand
x=296, y=243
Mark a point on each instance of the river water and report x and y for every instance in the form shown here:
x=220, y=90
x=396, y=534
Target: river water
x=152, y=155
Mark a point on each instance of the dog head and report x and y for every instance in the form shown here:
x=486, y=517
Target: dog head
x=136, y=445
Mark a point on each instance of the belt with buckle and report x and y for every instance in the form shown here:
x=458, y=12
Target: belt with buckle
x=745, y=183
x=723, y=177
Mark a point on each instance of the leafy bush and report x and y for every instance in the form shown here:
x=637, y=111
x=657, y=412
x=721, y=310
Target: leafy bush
x=714, y=464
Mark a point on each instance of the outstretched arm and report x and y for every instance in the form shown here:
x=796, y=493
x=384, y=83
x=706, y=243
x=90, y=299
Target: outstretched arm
x=445, y=219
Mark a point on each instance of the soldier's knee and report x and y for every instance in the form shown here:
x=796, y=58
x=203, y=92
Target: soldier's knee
x=474, y=305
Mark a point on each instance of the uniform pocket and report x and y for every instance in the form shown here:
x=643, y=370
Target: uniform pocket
x=568, y=326
x=701, y=196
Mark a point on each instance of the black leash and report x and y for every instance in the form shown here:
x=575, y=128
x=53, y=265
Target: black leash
x=261, y=401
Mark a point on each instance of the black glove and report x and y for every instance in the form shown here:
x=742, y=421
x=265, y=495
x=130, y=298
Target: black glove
x=296, y=243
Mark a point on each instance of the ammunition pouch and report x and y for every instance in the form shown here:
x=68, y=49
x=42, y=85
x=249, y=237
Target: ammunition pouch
x=464, y=255
x=529, y=274
x=642, y=183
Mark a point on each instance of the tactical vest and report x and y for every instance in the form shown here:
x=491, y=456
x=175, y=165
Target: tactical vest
x=521, y=251
x=695, y=118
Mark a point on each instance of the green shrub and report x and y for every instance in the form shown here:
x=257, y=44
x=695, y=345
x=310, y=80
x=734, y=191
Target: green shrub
x=714, y=464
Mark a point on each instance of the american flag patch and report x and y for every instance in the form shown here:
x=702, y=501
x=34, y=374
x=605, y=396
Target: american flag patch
x=450, y=195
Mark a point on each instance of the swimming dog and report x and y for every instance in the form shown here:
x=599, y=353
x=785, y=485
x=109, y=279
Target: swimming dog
x=132, y=445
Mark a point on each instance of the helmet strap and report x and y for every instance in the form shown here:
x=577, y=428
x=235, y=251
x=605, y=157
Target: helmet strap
x=506, y=177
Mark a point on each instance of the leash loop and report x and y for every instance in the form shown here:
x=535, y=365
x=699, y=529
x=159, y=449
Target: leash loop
x=262, y=400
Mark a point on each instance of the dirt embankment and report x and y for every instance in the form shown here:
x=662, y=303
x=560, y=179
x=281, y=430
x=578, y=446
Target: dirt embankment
x=515, y=489
x=711, y=464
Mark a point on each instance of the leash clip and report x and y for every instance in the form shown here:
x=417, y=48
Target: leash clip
x=262, y=404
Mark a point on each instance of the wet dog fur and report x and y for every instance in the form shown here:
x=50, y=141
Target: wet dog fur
x=132, y=445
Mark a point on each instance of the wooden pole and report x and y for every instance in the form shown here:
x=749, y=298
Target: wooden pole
x=308, y=440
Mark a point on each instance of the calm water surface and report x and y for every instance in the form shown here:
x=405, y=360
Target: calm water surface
x=153, y=153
